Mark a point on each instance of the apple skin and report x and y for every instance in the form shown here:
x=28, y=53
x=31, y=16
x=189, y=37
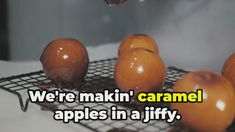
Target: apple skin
x=140, y=70
x=229, y=69
x=65, y=62
x=138, y=41
x=215, y=112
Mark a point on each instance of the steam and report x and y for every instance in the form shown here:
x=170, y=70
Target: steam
x=197, y=34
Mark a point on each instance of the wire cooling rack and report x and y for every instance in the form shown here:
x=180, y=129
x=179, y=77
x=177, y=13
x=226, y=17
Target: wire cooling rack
x=98, y=78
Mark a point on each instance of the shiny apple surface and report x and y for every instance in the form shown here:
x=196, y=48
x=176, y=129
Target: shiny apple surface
x=65, y=62
x=229, y=69
x=138, y=41
x=140, y=70
x=216, y=111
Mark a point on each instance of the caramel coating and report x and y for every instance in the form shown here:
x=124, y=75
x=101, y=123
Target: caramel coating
x=229, y=69
x=140, y=70
x=216, y=111
x=138, y=41
x=65, y=62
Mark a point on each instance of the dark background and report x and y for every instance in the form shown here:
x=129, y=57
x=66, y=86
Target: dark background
x=191, y=34
x=4, y=53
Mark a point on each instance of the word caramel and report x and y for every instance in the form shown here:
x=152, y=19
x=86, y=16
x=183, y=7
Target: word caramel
x=173, y=97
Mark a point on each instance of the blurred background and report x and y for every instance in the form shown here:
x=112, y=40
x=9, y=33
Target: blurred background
x=195, y=34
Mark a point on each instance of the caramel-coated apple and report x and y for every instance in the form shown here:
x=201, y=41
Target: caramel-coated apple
x=229, y=69
x=138, y=41
x=140, y=70
x=216, y=111
x=65, y=62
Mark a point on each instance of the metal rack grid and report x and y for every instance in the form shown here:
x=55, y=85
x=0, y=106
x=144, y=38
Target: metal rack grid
x=98, y=78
